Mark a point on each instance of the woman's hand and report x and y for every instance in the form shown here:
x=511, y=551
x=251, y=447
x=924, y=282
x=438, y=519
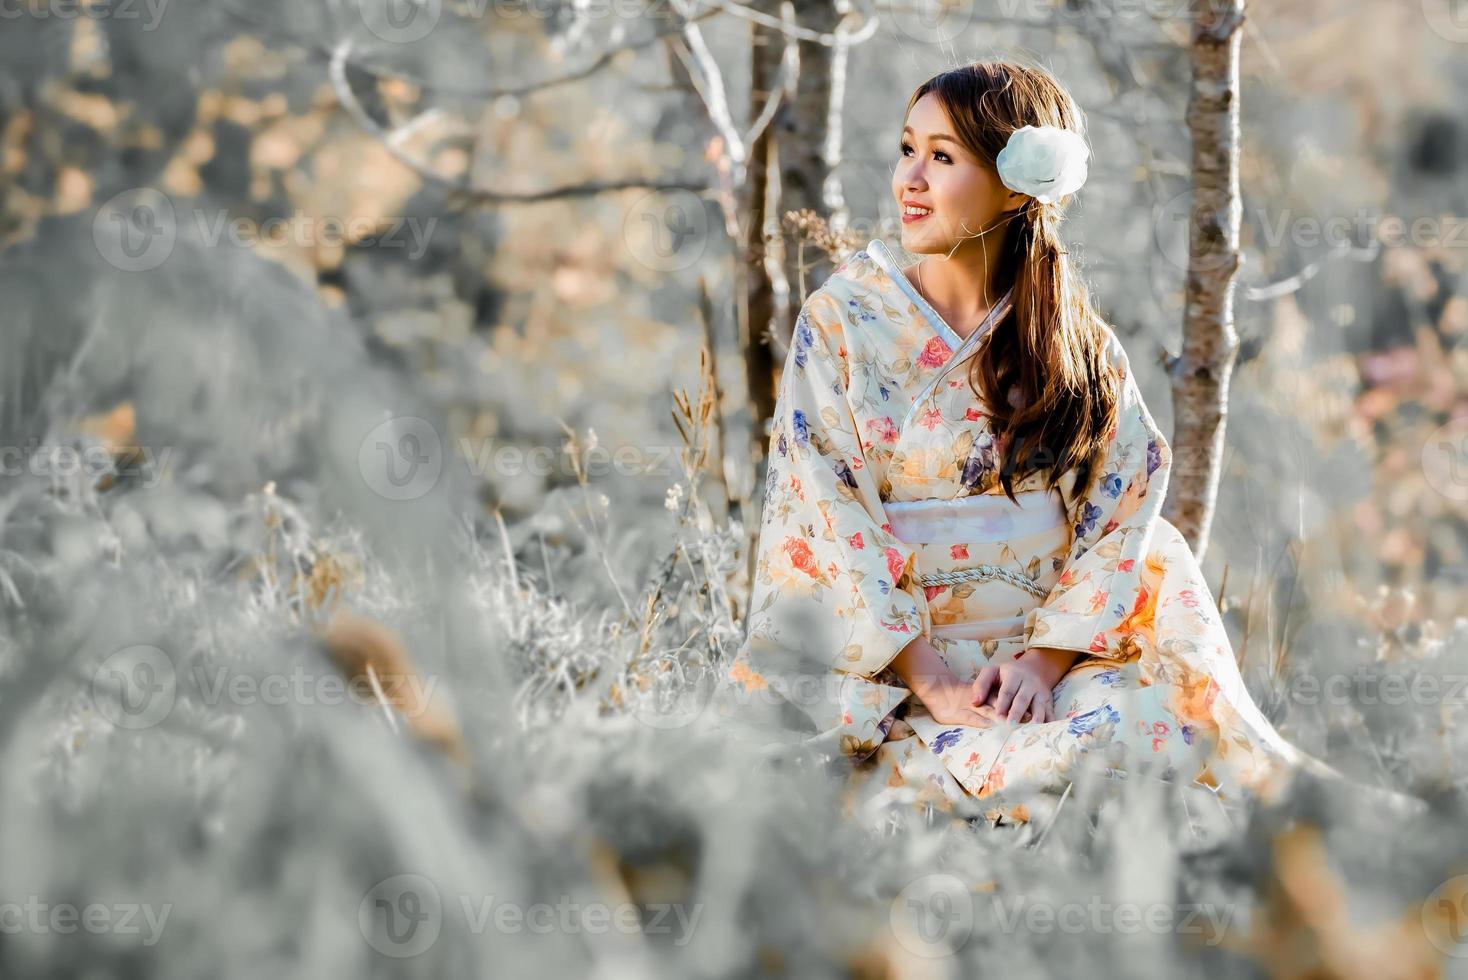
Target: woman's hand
x=1017, y=689
x=1022, y=689
x=949, y=700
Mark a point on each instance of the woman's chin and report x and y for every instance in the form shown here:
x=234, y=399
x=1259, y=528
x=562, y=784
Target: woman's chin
x=918, y=243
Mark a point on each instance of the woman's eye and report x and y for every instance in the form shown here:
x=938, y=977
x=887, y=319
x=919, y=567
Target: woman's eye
x=906, y=148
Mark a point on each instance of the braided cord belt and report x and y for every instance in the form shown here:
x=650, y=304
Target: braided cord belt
x=985, y=572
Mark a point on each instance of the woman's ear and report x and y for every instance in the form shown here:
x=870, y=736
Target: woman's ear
x=1014, y=201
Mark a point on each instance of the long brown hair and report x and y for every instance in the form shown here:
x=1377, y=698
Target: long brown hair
x=1051, y=349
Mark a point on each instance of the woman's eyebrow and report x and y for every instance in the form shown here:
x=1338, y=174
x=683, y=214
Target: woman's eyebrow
x=933, y=136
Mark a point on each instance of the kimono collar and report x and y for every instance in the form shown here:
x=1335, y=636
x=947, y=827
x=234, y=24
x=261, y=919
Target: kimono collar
x=884, y=259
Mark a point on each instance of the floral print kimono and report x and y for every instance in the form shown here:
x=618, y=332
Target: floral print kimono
x=875, y=414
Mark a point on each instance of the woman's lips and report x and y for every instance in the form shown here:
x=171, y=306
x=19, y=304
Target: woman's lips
x=908, y=219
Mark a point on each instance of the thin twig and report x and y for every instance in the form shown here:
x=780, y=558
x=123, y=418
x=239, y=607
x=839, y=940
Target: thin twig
x=604, y=60
x=382, y=699
x=867, y=29
x=1056, y=817
x=463, y=188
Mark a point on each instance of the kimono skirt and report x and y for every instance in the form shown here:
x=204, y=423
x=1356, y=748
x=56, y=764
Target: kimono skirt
x=1124, y=717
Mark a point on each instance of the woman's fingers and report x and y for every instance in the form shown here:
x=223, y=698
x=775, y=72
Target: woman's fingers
x=1011, y=696
x=984, y=682
x=1008, y=688
x=1021, y=703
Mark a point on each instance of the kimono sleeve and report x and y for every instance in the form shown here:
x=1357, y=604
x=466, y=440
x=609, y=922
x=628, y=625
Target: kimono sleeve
x=826, y=557
x=1102, y=584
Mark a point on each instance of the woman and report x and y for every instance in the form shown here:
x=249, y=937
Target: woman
x=968, y=596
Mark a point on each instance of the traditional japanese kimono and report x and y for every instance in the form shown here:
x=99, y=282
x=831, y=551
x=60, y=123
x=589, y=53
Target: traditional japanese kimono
x=884, y=519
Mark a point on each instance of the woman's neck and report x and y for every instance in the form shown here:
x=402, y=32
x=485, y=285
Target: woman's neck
x=961, y=285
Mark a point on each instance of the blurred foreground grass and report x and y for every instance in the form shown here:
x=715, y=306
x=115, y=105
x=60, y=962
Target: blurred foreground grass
x=260, y=717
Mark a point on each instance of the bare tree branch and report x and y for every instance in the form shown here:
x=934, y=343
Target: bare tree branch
x=708, y=82
x=1293, y=283
x=784, y=85
x=602, y=61
x=838, y=38
x=463, y=189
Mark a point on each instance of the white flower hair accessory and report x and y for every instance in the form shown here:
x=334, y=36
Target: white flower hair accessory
x=1045, y=162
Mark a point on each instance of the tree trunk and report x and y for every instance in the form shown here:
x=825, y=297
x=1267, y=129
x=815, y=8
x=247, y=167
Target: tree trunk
x=1200, y=376
x=767, y=48
x=808, y=145
x=791, y=167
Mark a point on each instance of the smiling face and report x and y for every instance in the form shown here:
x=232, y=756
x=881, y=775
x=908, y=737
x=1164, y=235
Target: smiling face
x=962, y=194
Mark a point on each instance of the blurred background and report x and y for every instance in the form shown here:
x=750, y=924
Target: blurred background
x=381, y=406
